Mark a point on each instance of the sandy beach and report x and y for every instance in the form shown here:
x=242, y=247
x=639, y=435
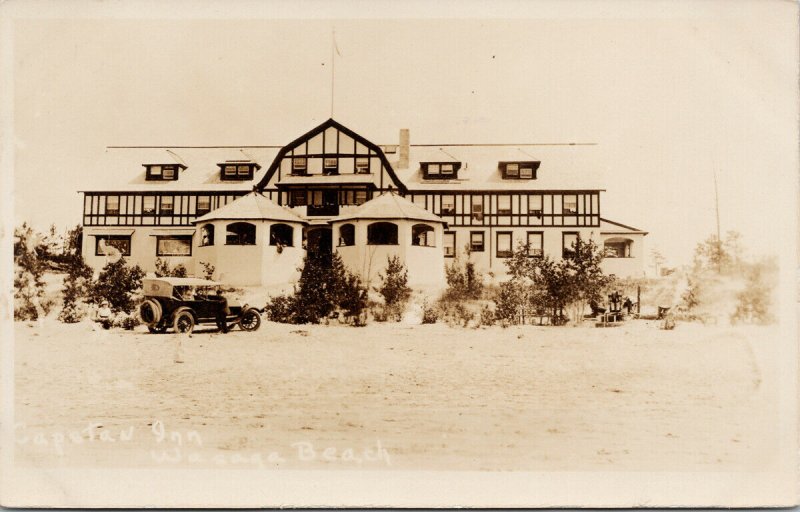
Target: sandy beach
x=398, y=396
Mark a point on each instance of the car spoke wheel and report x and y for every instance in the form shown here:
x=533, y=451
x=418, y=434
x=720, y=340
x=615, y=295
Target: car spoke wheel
x=184, y=322
x=250, y=321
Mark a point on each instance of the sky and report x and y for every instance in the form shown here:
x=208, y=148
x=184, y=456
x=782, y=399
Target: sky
x=671, y=93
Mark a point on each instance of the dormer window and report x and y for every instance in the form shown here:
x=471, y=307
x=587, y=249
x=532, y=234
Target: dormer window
x=362, y=165
x=440, y=170
x=519, y=170
x=299, y=165
x=330, y=166
x=162, y=172
x=233, y=170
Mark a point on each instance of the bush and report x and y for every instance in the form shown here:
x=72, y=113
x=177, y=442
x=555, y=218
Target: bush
x=208, y=270
x=455, y=313
x=76, y=289
x=394, y=288
x=429, y=314
x=29, y=268
x=163, y=269
x=463, y=281
x=325, y=288
x=126, y=321
x=487, y=316
x=117, y=283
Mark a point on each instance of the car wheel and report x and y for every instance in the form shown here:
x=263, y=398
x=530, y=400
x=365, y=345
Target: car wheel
x=184, y=322
x=250, y=320
x=150, y=312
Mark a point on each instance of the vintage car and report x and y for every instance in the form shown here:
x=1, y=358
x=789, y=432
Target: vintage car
x=183, y=302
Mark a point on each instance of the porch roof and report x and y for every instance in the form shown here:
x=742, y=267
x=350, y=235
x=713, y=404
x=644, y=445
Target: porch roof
x=390, y=206
x=252, y=206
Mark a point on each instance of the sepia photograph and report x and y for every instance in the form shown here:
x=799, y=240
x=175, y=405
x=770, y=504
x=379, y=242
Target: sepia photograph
x=457, y=254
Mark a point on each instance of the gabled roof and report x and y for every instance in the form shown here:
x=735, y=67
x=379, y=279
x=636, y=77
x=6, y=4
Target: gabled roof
x=608, y=227
x=330, y=123
x=121, y=168
x=389, y=206
x=252, y=206
x=563, y=167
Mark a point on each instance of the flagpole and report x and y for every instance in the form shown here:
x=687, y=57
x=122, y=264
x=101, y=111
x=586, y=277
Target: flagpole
x=333, y=65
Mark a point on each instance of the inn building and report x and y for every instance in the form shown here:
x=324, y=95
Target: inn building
x=255, y=212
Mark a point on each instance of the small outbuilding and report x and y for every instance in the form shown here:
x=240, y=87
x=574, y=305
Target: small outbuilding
x=251, y=241
x=390, y=225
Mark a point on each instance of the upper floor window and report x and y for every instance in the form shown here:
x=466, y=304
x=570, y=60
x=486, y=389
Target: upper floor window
x=112, y=205
x=535, y=205
x=519, y=170
x=535, y=243
x=149, y=205
x=477, y=208
x=504, y=244
x=440, y=170
x=362, y=165
x=207, y=235
x=361, y=197
x=476, y=241
x=203, y=205
x=162, y=172
x=299, y=165
x=167, y=206
x=504, y=205
x=298, y=198
x=448, y=205
x=330, y=166
x=570, y=204
x=239, y=171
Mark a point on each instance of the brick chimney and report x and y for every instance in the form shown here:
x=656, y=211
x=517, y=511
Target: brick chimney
x=405, y=138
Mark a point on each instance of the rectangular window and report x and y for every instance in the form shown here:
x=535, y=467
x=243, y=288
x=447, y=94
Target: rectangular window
x=298, y=198
x=504, y=244
x=174, y=245
x=535, y=205
x=535, y=243
x=203, y=204
x=447, y=169
x=120, y=242
x=570, y=204
x=503, y=205
x=112, y=205
x=512, y=170
x=330, y=166
x=526, y=172
x=149, y=205
x=477, y=208
x=569, y=241
x=299, y=165
x=244, y=170
x=169, y=172
x=449, y=244
x=230, y=171
x=448, y=205
x=433, y=169
x=316, y=198
x=362, y=165
x=166, y=205
x=155, y=171
x=361, y=196
x=476, y=241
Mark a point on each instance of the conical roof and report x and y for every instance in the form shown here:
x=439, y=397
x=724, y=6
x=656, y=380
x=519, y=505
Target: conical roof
x=252, y=206
x=390, y=206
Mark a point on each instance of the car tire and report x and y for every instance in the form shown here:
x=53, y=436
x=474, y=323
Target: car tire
x=150, y=313
x=183, y=322
x=250, y=320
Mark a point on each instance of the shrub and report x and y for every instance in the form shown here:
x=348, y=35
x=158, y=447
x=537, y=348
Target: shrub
x=29, y=268
x=487, y=316
x=281, y=309
x=429, y=314
x=117, y=284
x=455, y=313
x=463, y=281
x=753, y=303
x=163, y=269
x=76, y=288
x=208, y=270
x=394, y=288
x=126, y=321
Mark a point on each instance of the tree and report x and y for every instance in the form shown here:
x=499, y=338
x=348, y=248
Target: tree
x=163, y=269
x=464, y=281
x=117, y=284
x=28, y=275
x=77, y=286
x=658, y=260
x=394, y=286
x=585, y=279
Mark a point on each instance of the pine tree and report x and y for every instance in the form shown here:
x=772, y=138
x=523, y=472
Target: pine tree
x=28, y=271
x=117, y=284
